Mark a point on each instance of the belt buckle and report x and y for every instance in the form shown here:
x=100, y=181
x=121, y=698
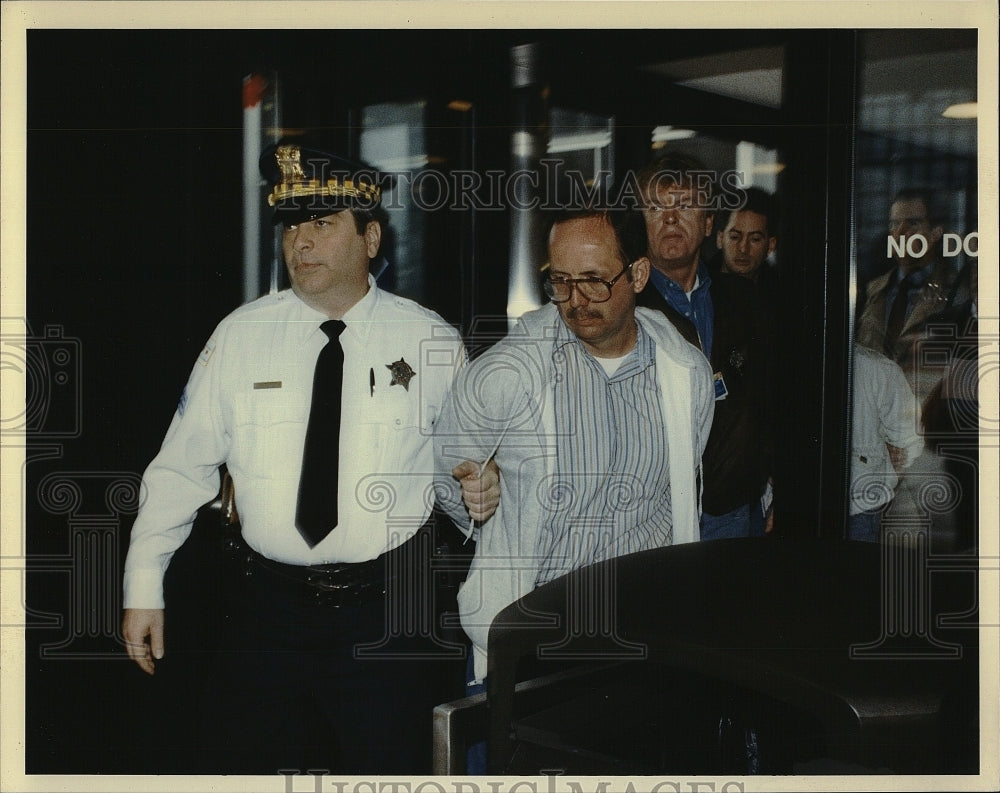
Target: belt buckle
x=326, y=590
x=340, y=585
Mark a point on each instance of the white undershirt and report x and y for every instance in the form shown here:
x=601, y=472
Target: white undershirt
x=611, y=364
x=697, y=280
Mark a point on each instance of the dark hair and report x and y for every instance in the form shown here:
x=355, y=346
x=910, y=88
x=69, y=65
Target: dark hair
x=362, y=217
x=627, y=224
x=679, y=168
x=927, y=197
x=759, y=201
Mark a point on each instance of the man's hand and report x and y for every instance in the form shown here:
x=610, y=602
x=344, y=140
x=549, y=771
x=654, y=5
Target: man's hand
x=897, y=457
x=481, y=494
x=143, y=632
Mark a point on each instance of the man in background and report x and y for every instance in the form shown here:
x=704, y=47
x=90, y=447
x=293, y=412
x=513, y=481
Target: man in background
x=919, y=289
x=916, y=314
x=748, y=236
x=719, y=314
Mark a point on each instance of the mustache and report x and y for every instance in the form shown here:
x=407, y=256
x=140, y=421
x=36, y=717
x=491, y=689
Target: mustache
x=582, y=312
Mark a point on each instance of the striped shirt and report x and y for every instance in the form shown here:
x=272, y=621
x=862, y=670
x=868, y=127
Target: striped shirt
x=610, y=493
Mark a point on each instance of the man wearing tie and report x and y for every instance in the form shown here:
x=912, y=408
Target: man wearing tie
x=321, y=401
x=915, y=293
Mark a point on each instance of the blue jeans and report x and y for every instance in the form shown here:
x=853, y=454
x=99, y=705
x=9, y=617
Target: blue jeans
x=475, y=754
x=731, y=524
x=758, y=520
x=865, y=526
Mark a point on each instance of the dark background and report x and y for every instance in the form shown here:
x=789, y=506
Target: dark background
x=133, y=255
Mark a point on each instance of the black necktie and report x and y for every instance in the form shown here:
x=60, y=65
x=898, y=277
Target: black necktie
x=897, y=315
x=316, y=514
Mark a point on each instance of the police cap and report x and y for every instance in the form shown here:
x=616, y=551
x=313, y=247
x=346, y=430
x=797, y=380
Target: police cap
x=307, y=182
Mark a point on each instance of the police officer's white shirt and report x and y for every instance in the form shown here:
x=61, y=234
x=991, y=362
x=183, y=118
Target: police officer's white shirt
x=247, y=404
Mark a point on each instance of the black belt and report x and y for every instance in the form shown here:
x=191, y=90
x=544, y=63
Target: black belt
x=336, y=585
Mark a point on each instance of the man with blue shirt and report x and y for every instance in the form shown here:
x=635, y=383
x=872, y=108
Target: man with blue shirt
x=716, y=312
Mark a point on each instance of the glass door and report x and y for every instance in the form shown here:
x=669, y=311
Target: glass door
x=915, y=432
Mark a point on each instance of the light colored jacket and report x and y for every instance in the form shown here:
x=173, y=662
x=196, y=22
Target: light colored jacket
x=505, y=397
x=884, y=411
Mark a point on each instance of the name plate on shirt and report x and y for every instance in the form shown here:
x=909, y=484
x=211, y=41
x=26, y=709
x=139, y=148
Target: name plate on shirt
x=721, y=392
x=268, y=384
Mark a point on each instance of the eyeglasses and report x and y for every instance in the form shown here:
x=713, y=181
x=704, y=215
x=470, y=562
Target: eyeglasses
x=595, y=289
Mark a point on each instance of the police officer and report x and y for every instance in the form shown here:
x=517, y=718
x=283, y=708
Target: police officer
x=331, y=614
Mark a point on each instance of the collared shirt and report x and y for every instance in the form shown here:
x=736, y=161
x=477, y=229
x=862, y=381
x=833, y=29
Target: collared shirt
x=917, y=281
x=697, y=307
x=610, y=495
x=247, y=405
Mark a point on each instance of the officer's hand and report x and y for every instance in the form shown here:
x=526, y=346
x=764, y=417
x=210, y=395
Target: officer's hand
x=481, y=494
x=143, y=632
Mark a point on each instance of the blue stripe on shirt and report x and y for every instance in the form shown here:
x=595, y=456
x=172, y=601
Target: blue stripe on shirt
x=610, y=493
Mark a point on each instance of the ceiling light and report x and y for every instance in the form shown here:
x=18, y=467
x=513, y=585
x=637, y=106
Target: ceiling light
x=661, y=134
x=962, y=110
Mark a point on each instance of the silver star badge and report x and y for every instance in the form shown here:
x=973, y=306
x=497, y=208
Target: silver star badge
x=402, y=373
